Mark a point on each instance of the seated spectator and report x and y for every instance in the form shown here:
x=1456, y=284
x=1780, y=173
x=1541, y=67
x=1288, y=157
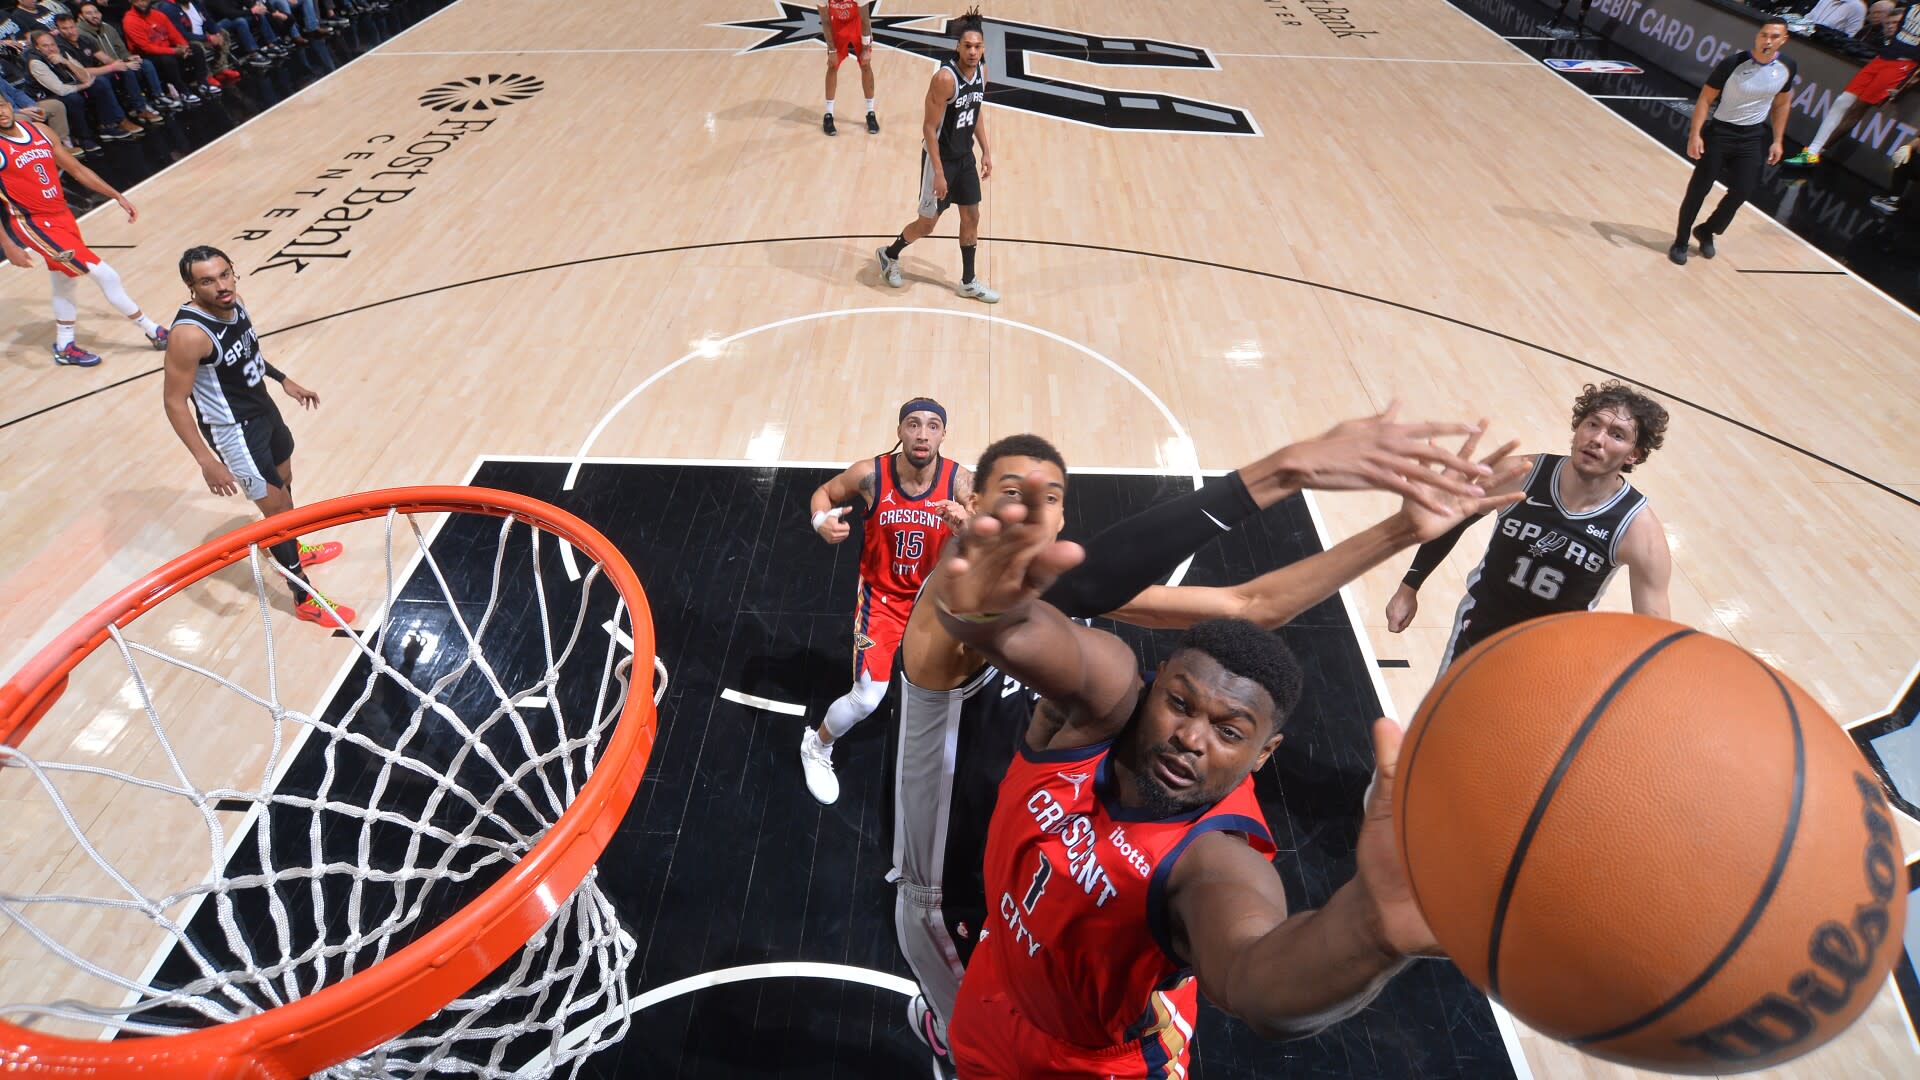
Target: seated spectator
x=188, y=17
x=104, y=69
x=244, y=24
x=51, y=112
x=1883, y=18
x=153, y=35
x=98, y=37
x=59, y=77
x=1843, y=16
x=31, y=15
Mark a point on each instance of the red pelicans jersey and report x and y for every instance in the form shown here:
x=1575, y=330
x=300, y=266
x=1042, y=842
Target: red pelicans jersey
x=1077, y=928
x=904, y=533
x=842, y=12
x=29, y=177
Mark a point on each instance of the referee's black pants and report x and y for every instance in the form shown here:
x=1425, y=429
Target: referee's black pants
x=1734, y=155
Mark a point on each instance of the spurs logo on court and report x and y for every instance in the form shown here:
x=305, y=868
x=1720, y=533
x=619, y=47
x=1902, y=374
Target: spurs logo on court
x=1894, y=731
x=1010, y=85
x=479, y=93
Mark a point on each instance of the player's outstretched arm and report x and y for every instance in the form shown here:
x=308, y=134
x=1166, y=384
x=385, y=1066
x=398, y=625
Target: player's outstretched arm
x=1649, y=564
x=1291, y=975
x=987, y=594
x=1428, y=510
x=856, y=480
x=86, y=177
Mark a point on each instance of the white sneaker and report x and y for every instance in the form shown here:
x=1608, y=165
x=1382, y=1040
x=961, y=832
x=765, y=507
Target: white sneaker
x=977, y=290
x=889, y=267
x=816, y=760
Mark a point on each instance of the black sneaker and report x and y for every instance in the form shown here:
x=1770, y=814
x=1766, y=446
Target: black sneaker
x=873, y=124
x=826, y=124
x=1706, y=242
x=1677, y=254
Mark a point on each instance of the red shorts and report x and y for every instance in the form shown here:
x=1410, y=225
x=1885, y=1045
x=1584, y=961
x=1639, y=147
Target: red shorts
x=991, y=1041
x=1879, y=79
x=879, y=622
x=846, y=39
x=57, y=239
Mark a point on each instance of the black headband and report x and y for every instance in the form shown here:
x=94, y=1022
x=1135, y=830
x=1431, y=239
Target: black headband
x=924, y=404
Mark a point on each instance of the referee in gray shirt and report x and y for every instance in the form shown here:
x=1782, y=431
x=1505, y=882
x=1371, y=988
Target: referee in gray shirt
x=1748, y=94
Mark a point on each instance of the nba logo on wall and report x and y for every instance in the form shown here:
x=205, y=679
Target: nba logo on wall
x=1591, y=67
x=1010, y=85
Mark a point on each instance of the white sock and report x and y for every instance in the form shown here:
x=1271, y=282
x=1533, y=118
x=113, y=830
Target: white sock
x=109, y=281
x=65, y=310
x=869, y=104
x=829, y=106
x=1831, y=122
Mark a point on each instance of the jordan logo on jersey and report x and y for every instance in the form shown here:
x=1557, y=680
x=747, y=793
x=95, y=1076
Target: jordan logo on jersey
x=1013, y=86
x=1076, y=779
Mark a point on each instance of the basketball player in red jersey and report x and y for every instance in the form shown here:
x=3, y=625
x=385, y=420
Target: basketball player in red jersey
x=914, y=499
x=34, y=217
x=1126, y=865
x=846, y=26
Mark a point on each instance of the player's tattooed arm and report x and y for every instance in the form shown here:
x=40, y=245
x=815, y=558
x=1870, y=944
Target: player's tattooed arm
x=826, y=509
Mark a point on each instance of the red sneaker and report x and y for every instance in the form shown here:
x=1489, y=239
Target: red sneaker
x=309, y=610
x=315, y=554
x=227, y=76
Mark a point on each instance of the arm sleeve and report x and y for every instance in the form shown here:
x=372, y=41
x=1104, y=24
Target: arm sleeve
x=1722, y=71
x=1434, y=550
x=1137, y=552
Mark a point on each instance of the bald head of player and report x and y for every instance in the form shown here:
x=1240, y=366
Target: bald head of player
x=1211, y=716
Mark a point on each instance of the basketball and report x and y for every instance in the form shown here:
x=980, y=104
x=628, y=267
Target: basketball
x=1647, y=843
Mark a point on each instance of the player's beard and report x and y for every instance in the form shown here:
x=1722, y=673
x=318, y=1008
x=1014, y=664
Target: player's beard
x=920, y=459
x=1155, y=797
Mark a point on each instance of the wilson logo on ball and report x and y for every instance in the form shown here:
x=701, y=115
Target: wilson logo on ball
x=1842, y=958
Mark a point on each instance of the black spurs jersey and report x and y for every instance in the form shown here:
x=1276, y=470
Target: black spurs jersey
x=963, y=109
x=1542, y=559
x=229, y=387
x=950, y=750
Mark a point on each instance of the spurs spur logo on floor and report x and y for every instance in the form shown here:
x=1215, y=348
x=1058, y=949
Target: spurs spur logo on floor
x=480, y=93
x=1010, y=83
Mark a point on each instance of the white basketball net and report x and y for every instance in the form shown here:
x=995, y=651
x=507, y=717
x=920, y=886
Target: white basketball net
x=413, y=799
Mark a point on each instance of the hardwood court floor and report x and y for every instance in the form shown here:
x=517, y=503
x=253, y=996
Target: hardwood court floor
x=1424, y=213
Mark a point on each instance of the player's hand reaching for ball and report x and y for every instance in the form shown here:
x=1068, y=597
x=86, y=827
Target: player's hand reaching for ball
x=1379, y=874
x=1441, y=508
x=1380, y=453
x=1006, y=556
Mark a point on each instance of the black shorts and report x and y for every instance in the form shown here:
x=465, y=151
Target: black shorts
x=963, y=184
x=252, y=450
